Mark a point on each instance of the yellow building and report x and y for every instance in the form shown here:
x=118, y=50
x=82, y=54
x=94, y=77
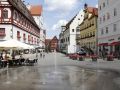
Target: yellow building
x=88, y=28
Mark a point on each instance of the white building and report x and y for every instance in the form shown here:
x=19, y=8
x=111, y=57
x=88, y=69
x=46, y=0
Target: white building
x=68, y=34
x=36, y=12
x=16, y=22
x=109, y=26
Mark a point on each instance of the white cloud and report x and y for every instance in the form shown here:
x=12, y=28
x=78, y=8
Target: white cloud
x=57, y=26
x=96, y=6
x=62, y=5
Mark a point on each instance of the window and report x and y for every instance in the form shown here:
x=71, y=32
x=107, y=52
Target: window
x=102, y=31
x=108, y=16
x=18, y=35
x=103, y=4
x=100, y=20
x=5, y=14
x=24, y=37
x=28, y=38
x=114, y=27
x=32, y=39
x=100, y=7
x=72, y=30
x=68, y=39
x=115, y=12
x=2, y=32
x=104, y=18
x=106, y=29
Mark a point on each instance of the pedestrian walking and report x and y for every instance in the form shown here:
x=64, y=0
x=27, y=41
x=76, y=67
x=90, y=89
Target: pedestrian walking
x=43, y=55
x=40, y=55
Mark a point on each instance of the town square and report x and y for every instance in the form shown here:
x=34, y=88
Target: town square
x=59, y=45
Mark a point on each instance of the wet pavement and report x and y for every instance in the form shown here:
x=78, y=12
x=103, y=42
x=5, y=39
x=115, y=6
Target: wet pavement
x=48, y=74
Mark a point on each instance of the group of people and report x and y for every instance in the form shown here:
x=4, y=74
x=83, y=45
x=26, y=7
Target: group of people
x=5, y=56
x=104, y=53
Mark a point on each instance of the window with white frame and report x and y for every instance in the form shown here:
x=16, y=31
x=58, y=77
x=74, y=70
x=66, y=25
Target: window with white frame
x=115, y=12
x=114, y=27
x=106, y=30
x=102, y=31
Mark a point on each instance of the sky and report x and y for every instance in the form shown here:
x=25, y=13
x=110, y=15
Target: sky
x=59, y=12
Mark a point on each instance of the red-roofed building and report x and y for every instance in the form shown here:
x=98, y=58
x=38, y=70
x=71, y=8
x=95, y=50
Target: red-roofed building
x=16, y=22
x=88, y=29
x=51, y=44
x=36, y=12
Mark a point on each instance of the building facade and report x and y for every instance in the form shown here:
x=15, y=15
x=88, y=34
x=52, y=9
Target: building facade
x=52, y=44
x=109, y=26
x=36, y=12
x=68, y=34
x=88, y=29
x=16, y=22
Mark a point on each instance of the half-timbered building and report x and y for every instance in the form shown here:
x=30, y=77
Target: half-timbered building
x=16, y=22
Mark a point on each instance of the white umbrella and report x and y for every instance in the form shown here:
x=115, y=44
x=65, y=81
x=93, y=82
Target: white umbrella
x=14, y=44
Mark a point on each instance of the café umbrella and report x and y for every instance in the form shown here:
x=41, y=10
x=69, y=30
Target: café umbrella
x=14, y=44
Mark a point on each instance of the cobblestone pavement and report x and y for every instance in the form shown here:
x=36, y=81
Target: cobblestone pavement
x=57, y=72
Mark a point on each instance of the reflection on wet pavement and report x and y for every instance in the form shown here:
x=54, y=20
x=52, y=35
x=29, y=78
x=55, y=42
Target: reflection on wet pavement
x=65, y=78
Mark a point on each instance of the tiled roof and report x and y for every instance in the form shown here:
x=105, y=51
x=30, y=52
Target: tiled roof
x=54, y=37
x=93, y=10
x=36, y=10
x=21, y=7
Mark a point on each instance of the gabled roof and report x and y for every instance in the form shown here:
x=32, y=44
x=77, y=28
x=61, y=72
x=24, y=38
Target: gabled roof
x=36, y=10
x=92, y=10
x=21, y=7
x=68, y=24
x=54, y=38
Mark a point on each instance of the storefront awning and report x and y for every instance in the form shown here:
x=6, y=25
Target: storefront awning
x=103, y=44
x=114, y=43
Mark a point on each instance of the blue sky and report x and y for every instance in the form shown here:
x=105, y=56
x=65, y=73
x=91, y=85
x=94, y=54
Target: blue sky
x=59, y=12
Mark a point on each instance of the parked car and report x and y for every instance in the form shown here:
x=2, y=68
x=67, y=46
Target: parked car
x=81, y=52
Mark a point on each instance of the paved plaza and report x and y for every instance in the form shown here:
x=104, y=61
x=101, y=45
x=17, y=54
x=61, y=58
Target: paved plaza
x=55, y=71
